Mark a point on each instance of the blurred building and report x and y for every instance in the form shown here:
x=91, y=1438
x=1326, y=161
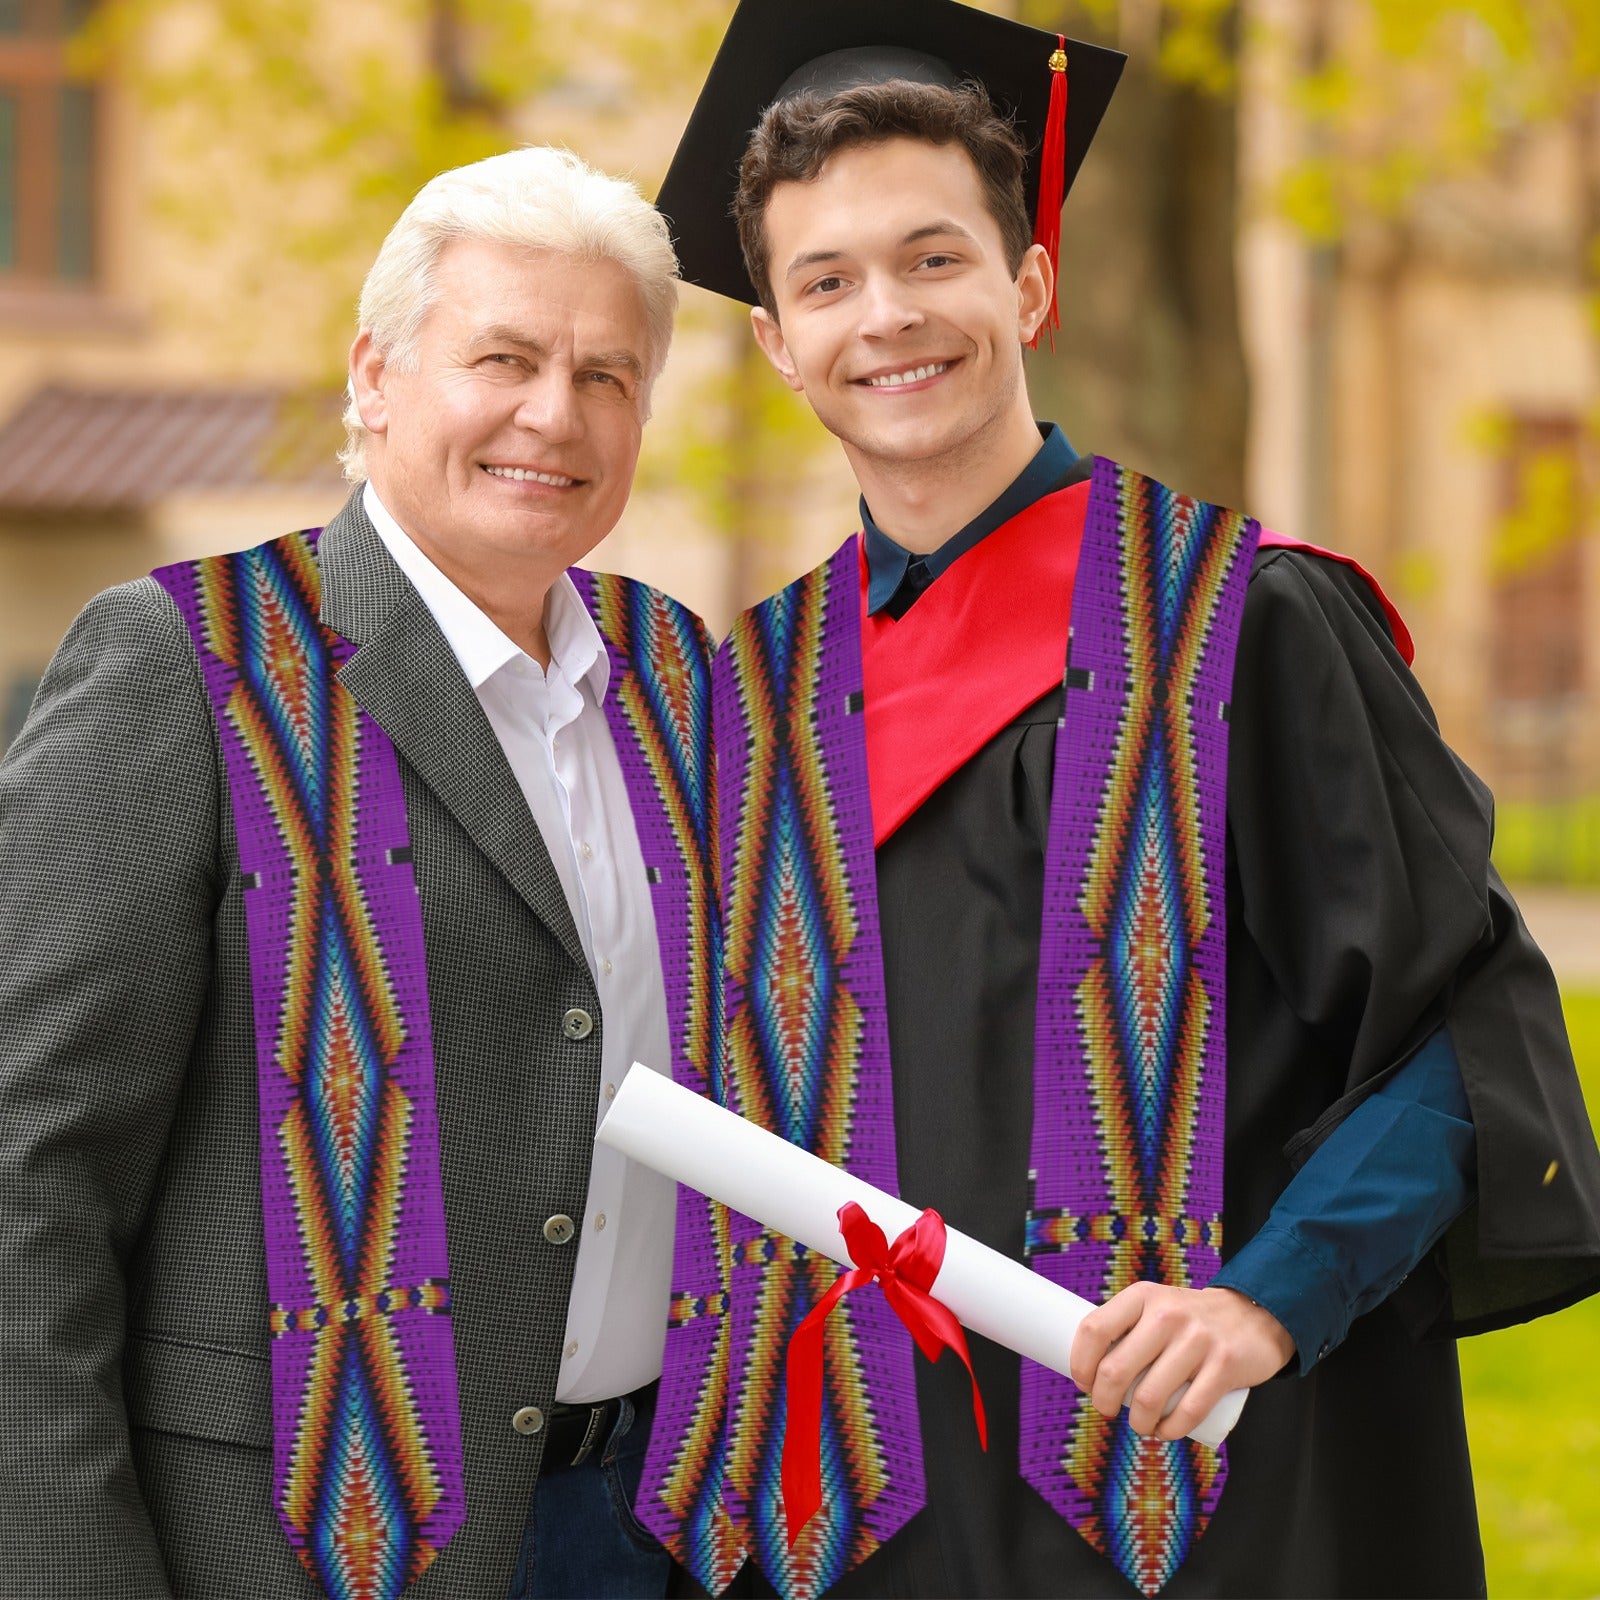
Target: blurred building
x=160, y=401
x=1426, y=396
x=1422, y=395
x=121, y=445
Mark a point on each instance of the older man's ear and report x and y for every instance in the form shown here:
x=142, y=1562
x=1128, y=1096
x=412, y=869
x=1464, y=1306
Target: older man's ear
x=367, y=368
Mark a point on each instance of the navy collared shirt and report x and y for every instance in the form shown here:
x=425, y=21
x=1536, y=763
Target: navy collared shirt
x=1379, y=1192
x=1367, y=1206
x=895, y=577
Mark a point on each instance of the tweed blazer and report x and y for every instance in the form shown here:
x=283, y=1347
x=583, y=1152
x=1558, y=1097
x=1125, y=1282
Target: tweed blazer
x=135, y=1455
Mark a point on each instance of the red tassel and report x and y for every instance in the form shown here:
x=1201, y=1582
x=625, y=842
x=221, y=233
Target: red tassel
x=1052, y=182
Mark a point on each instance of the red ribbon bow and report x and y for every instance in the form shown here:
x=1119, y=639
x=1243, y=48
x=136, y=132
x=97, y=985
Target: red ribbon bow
x=906, y=1270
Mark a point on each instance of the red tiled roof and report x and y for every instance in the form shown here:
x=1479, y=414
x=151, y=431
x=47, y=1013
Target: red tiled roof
x=86, y=450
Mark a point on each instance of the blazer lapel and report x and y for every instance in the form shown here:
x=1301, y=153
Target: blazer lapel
x=405, y=676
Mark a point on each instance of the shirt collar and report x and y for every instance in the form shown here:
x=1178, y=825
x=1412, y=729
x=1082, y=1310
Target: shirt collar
x=477, y=641
x=887, y=561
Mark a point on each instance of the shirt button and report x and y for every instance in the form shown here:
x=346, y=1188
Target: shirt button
x=600, y=1223
x=606, y=967
x=611, y=1091
x=559, y=1229
x=530, y=1419
x=571, y=1350
x=588, y=850
x=577, y=1023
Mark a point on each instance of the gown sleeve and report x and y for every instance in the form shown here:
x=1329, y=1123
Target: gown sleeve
x=1368, y=1205
x=1359, y=844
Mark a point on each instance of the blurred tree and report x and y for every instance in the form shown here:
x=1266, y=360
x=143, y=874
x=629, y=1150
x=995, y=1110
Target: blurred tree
x=1401, y=95
x=1149, y=365
x=1395, y=99
x=301, y=128
x=1407, y=101
x=293, y=132
x=744, y=446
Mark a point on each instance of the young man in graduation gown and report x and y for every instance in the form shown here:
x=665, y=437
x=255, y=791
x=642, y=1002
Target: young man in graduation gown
x=1094, y=874
x=339, y=881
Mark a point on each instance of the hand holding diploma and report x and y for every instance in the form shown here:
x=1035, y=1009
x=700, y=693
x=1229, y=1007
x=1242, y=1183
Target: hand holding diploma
x=1169, y=1354
x=670, y=1129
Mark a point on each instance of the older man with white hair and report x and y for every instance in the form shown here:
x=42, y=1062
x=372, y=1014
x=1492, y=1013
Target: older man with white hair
x=340, y=880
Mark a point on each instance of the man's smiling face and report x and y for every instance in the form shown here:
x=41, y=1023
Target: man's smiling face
x=898, y=316
x=514, y=435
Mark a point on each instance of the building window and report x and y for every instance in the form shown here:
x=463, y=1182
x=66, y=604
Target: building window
x=1537, y=561
x=1539, y=641
x=47, y=147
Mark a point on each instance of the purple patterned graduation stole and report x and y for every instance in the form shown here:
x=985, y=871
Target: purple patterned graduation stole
x=1130, y=1058
x=367, y=1468
x=659, y=712
x=808, y=1057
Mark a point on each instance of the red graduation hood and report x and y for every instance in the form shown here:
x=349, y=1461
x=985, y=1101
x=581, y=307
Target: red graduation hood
x=982, y=644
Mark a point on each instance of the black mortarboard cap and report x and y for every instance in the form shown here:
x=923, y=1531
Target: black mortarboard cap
x=777, y=48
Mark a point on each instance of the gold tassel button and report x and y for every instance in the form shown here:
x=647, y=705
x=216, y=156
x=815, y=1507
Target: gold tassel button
x=1058, y=62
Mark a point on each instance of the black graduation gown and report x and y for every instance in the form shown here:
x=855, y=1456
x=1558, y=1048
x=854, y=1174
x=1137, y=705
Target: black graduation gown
x=1362, y=912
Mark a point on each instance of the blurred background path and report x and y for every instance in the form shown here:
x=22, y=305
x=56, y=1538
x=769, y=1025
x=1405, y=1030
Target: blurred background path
x=1566, y=922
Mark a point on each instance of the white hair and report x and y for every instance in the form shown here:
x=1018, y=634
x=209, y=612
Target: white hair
x=536, y=197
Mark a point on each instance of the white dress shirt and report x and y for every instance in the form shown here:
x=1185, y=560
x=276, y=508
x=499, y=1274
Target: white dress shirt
x=554, y=733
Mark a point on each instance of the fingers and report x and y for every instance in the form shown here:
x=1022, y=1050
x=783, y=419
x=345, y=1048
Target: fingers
x=1138, y=1349
x=1154, y=1339
x=1207, y=1385
x=1101, y=1329
x=1177, y=1362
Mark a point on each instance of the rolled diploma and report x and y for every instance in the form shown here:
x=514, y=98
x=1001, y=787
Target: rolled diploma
x=674, y=1131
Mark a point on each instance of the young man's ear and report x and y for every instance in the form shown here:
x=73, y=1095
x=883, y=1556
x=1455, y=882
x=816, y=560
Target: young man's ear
x=1035, y=284
x=774, y=347
x=366, y=383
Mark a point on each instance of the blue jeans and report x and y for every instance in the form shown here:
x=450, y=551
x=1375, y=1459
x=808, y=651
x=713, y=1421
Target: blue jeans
x=583, y=1541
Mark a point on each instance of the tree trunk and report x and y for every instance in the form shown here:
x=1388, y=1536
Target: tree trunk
x=1148, y=366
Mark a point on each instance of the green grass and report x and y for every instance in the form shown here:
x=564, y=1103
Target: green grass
x=1548, y=841
x=1533, y=1414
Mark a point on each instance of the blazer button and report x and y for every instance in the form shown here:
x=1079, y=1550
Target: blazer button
x=559, y=1229
x=577, y=1024
x=530, y=1419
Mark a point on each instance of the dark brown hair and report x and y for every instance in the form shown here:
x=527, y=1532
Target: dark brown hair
x=796, y=137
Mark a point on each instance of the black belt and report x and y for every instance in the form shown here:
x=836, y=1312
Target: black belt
x=575, y=1433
